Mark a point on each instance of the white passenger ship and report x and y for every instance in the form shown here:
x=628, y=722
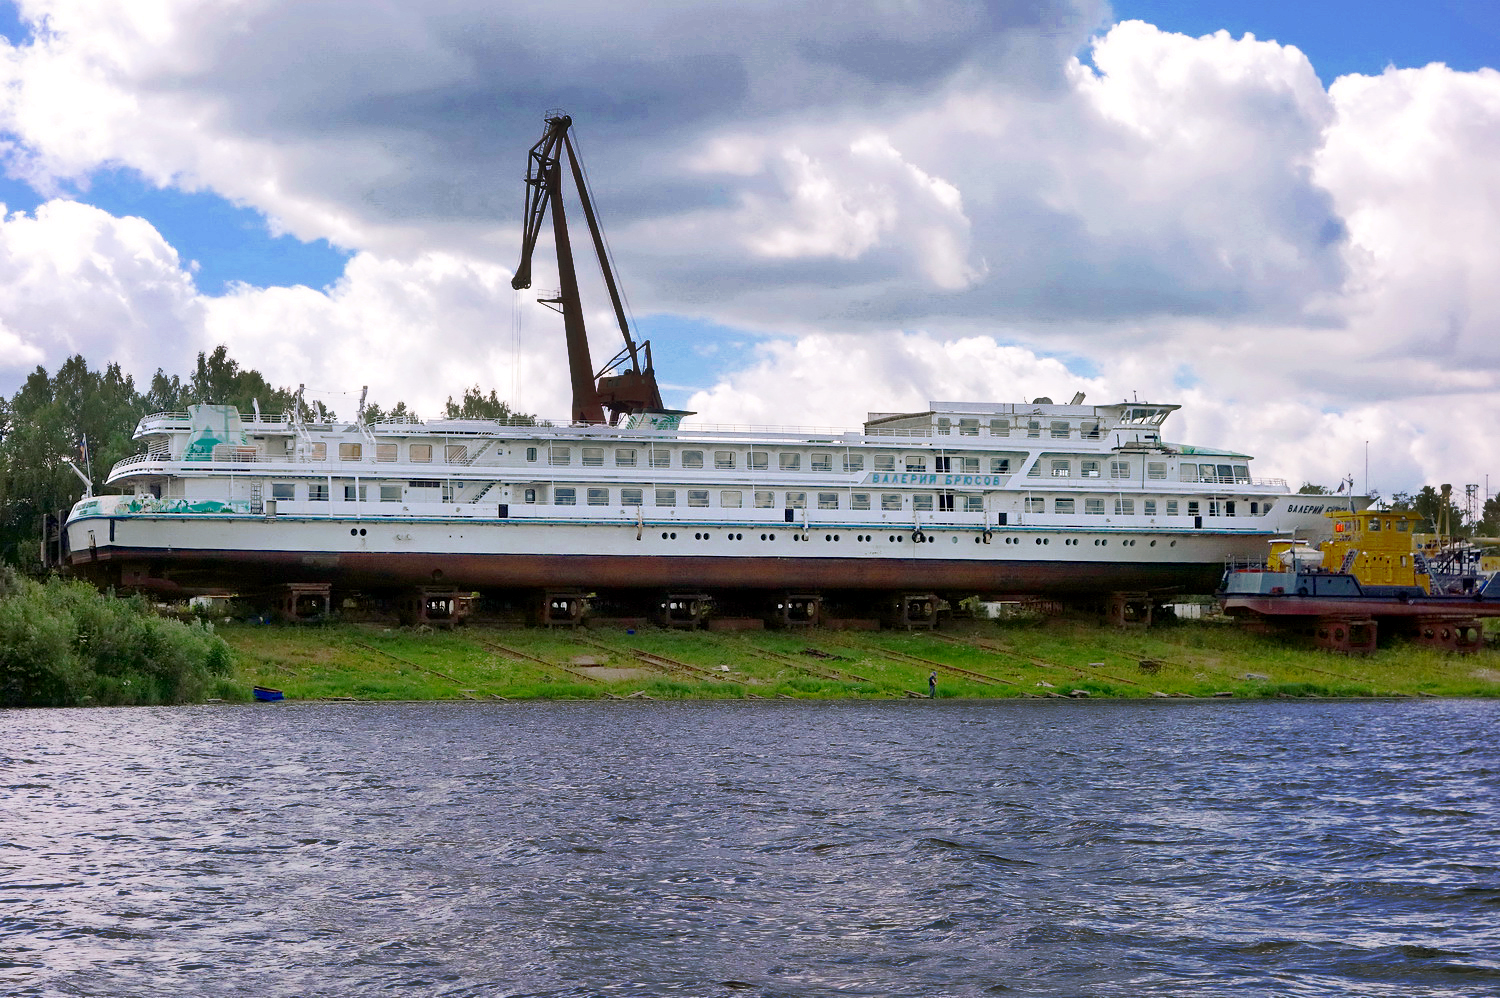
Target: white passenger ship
x=987, y=499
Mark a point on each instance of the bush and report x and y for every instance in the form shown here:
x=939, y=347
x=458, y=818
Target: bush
x=63, y=643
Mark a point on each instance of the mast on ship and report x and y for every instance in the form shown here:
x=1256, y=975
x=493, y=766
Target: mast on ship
x=621, y=391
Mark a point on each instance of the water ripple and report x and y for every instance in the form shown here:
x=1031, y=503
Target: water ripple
x=766, y=850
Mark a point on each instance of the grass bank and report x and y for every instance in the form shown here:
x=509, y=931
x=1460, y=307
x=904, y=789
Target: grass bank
x=1051, y=658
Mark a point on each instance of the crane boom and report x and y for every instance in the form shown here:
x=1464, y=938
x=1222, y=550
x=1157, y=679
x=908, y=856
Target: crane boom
x=628, y=389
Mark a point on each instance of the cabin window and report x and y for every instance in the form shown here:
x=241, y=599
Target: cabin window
x=791, y=462
x=530, y=452
x=1062, y=469
x=945, y=502
x=692, y=459
x=1374, y=525
x=1093, y=507
x=970, y=465
x=530, y=495
x=632, y=497
x=661, y=458
x=1156, y=471
x=944, y=426
x=1088, y=469
x=796, y=500
x=1124, y=507
x=1036, y=505
x=385, y=453
x=821, y=461
x=317, y=493
x=1242, y=474
x=283, y=490
x=757, y=460
x=999, y=465
x=1148, y=506
x=350, y=452
x=625, y=458
x=390, y=493
x=854, y=462
x=765, y=500
x=1226, y=472
x=1208, y=473
x=598, y=497
x=697, y=497
x=731, y=499
x=1119, y=469
x=1035, y=471
x=973, y=504
x=890, y=500
x=860, y=500
x=1061, y=429
x=724, y=460
x=1171, y=507
x=1193, y=507
x=1188, y=472
x=942, y=465
x=1034, y=428
x=916, y=462
x=563, y=495
x=1089, y=431
x=666, y=497
x=922, y=503
x=885, y=462
x=593, y=457
x=1401, y=526
x=456, y=454
x=354, y=493
x=319, y=452
x=1255, y=509
x=422, y=453
x=1062, y=505
x=968, y=427
x=560, y=456
x=1229, y=508
x=1215, y=507
x=828, y=500
x=999, y=427
x=450, y=491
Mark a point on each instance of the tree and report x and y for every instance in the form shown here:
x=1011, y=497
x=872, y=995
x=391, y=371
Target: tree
x=1428, y=502
x=375, y=414
x=477, y=405
x=53, y=418
x=1489, y=520
x=1309, y=489
x=219, y=379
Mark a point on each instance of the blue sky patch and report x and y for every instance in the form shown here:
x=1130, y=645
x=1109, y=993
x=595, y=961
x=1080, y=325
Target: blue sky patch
x=1342, y=36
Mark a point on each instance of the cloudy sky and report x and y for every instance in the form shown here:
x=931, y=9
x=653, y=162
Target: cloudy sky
x=1285, y=219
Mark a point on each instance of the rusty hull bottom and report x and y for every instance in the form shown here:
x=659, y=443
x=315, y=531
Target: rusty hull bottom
x=184, y=573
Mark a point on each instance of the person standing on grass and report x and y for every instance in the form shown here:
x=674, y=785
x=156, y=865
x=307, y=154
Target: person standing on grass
x=932, y=685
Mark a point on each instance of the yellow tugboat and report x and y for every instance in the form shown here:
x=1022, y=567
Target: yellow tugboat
x=1370, y=578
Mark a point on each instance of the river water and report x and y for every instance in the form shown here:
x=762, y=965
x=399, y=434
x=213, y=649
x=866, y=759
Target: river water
x=752, y=849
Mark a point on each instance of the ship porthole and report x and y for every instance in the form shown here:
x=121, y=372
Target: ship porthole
x=361, y=531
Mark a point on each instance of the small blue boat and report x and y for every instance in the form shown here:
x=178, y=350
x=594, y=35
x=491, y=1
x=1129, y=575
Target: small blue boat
x=265, y=693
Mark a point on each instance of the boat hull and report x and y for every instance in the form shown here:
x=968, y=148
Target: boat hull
x=185, y=556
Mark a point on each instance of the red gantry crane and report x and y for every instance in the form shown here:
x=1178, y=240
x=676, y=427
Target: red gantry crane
x=621, y=389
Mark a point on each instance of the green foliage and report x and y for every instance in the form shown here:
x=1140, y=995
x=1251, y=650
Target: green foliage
x=62, y=643
x=1309, y=489
x=477, y=405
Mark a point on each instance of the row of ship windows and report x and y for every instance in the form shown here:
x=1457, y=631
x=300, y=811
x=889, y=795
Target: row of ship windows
x=735, y=499
x=728, y=460
x=1056, y=429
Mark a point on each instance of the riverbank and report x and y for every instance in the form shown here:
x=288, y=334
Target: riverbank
x=1051, y=658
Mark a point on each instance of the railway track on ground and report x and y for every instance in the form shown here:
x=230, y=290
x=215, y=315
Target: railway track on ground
x=944, y=667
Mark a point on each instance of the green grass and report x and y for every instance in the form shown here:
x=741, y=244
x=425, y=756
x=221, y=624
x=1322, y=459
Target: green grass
x=1051, y=658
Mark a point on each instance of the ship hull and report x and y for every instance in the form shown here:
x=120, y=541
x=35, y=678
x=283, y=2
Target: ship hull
x=186, y=556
